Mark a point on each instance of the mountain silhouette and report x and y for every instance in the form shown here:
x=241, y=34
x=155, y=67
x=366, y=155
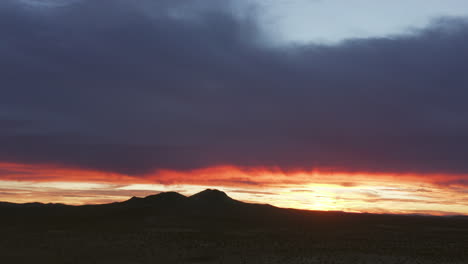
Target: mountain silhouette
x=208, y=226
x=161, y=199
x=214, y=198
x=204, y=201
x=206, y=198
x=209, y=209
x=211, y=195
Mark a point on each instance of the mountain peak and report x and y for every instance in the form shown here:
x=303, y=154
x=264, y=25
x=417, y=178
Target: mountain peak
x=166, y=196
x=211, y=195
x=163, y=197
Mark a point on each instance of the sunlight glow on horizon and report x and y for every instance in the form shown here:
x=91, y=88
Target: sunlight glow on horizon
x=313, y=190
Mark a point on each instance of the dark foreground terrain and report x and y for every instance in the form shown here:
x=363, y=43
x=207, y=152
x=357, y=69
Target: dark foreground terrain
x=210, y=227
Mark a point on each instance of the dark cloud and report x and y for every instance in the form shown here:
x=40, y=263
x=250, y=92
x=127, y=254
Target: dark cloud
x=133, y=86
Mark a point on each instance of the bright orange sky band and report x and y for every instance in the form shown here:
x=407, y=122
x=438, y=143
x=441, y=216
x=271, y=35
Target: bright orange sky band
x=314, y=190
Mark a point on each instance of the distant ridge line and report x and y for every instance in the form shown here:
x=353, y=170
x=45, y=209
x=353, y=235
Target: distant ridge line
x=203, y=200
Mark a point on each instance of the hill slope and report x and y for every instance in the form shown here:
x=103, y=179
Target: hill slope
x=211, y=227
x=211, y=208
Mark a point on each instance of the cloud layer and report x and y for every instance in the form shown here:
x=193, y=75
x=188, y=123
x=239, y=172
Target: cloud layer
x=135, y=86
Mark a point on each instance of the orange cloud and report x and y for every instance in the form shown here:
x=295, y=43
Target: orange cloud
x=316, y=190
x=221, y=175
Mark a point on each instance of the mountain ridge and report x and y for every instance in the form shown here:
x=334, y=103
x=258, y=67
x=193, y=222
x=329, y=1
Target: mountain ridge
x=209, y=199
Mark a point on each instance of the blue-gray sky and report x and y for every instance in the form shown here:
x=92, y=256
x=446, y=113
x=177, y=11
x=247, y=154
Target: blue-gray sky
x=331, y=21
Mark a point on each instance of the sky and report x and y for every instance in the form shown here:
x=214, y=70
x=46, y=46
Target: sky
x=331, y=21
x=321, y=105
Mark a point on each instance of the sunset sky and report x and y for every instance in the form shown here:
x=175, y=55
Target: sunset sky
x=356, y=105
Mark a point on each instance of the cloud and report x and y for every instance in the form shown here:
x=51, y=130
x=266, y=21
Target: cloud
x=132, y=87
x=455, y=182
